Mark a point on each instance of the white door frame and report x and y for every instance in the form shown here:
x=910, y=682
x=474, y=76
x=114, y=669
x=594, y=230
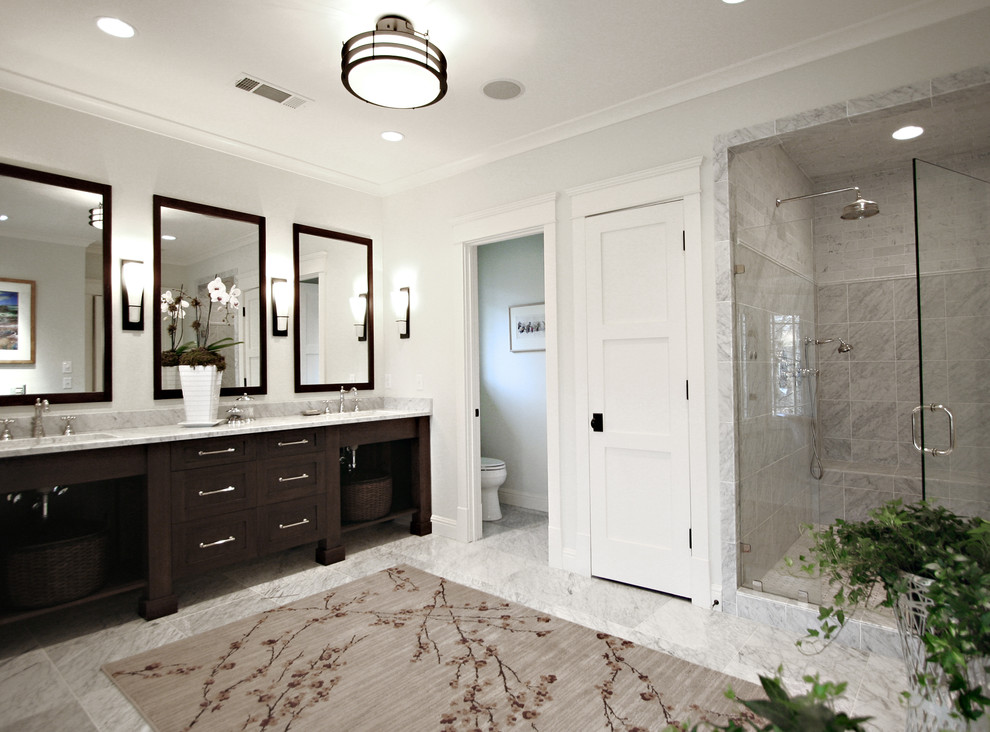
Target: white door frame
x=677, y=181
x=531, y=216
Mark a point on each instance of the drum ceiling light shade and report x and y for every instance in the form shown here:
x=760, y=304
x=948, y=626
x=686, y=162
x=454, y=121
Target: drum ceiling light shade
x=394, y=66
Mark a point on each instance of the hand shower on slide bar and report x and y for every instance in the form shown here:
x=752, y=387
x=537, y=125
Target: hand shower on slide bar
x=817, y=471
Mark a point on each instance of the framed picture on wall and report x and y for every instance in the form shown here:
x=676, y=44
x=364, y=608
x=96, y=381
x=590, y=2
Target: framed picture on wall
x=528, y=328
x=16, y=321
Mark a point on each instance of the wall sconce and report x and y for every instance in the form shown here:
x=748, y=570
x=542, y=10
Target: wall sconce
x=132, y=294
x=96, y=217
x=400, y=304
x=281, y=297
x=359, y=309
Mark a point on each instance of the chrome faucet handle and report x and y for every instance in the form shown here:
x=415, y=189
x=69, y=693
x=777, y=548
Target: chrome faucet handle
x=357, y=404
x=326, y=406
x=5, y=435
x=68, y=429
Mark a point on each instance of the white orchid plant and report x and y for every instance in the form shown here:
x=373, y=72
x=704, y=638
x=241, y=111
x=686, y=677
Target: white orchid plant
x=199, y=352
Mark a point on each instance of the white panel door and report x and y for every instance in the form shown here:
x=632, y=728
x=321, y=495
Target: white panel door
x=637, y=351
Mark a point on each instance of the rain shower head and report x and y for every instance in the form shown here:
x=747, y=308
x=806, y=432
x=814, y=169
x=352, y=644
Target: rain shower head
x=858, y=209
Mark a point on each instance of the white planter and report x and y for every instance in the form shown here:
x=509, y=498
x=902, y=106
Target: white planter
x=200, y=394
x=929, y=709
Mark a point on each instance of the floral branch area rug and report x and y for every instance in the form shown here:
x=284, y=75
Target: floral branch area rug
x=405, y=650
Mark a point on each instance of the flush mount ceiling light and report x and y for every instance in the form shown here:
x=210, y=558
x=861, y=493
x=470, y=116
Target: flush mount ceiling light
x=115, y=27
x=394, y=66
x=908, y=133
x=392, y=136
x=96, y=217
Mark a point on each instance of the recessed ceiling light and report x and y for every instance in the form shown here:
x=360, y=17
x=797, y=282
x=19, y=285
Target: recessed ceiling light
x=732, y=2
x=168, y=237
x=392, y=136
x=908, y=133
x=115, y=27
x=3, y=217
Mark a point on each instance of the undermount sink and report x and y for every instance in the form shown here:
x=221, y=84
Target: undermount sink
x=56, y=439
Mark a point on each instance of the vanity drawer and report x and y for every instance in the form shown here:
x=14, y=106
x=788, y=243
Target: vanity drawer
x=212, y=491
x=288, y=524
x=293, y=442
x=283, y=480
x=212, y=451
x=213, y=542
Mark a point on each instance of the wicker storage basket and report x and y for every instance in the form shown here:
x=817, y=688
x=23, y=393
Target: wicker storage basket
x=364, y=496
x=62, y=563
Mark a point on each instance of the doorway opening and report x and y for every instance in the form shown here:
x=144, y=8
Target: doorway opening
x=512, y=382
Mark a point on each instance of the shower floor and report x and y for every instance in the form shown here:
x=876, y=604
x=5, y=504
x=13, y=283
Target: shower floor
x=788, y=580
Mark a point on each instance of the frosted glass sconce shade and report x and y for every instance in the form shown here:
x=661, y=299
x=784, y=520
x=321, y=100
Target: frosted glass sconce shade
x=281, y=298
x=359, y=310
x=400, y=303
x=132, y=294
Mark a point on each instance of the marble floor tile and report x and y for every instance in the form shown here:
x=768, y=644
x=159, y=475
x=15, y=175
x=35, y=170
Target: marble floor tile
x=50, y=678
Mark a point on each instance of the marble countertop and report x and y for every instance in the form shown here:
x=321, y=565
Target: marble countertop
x=139, y=435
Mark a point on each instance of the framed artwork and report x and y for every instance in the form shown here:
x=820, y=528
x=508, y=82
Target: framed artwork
x=16, y=321
x=528, y=328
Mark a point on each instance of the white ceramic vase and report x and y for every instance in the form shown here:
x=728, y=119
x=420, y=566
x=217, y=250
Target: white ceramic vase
x=200, y=394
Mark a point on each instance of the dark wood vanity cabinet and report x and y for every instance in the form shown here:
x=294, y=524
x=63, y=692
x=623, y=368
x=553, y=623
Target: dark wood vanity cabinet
x=215, y=501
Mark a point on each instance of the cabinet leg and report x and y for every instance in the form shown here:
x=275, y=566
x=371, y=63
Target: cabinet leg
x=150, y=609
x=419, y=527
x=329, y=555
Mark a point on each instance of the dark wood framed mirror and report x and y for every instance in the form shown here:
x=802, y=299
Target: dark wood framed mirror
x=193, y=244
x=334, y=324
x=56, y=331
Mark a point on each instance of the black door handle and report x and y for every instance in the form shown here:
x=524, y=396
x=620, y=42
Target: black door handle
x=597, y=422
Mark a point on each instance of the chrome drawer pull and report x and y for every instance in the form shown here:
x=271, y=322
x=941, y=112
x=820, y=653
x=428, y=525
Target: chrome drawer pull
x=297, y=523
x=294, y=477
x=217, y=543
x=203, y=453
x=297, y=442
x=228, y=489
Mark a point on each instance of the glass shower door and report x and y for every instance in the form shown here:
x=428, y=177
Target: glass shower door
x=951, y=425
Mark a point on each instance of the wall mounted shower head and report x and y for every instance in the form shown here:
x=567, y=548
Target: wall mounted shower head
x=858, y=209
x=843, y=346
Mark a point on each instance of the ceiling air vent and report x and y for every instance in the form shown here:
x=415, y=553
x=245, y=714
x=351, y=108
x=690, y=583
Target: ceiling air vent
x=269, y=91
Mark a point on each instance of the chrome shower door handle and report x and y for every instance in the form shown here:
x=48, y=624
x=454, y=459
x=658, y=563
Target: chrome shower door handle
x=933, y=451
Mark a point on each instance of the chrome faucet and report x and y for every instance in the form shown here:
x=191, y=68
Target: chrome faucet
x=354, y=394
x=341, y=409
x=38, y=423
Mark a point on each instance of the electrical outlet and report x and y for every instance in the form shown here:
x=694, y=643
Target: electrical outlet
x=66, y=382
x=19, y=390
x=67, y=367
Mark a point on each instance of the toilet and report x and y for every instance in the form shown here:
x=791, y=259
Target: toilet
x=492, y=476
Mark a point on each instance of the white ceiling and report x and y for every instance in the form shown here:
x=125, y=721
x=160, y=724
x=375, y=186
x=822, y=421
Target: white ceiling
x=583, y=64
